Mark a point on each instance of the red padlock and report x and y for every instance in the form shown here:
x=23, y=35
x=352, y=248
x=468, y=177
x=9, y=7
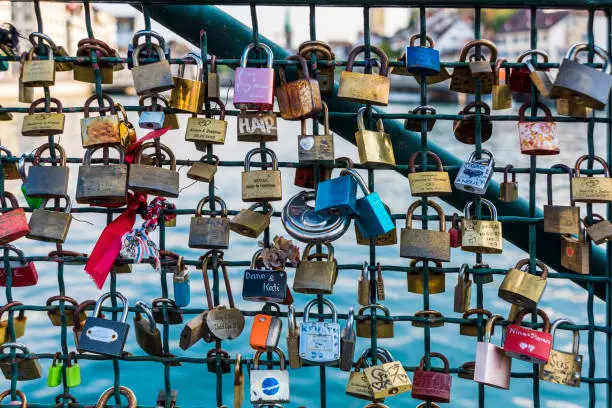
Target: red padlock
x=23, y=271
x=455, y=232
x=519, y=77
x=528, y=344
x=305, y=176
x=13, y=223
x=430, y=385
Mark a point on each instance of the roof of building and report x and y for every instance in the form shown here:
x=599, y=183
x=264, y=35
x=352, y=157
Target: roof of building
x=520, y=21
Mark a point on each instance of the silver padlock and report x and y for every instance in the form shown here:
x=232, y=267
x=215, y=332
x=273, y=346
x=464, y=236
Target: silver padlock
x=474, y=175
x=320, y=341
x=347, y=342
x=151, y=119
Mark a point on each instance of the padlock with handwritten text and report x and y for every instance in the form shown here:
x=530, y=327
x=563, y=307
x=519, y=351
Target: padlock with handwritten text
x=481, y=236
x=254, y=87
x=563, y=367
x=592, y=189
x=528, y=344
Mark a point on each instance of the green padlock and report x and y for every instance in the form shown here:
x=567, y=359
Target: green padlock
x=54, y=378
x=32, y=202
x=73, y=371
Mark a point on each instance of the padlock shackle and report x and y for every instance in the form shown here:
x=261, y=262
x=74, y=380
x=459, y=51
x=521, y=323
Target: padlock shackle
x=7, y=151
x=428, y=39
x=80, y=309
x=42, y=38
x=162, y=147
x=58, y=298
x=415, y=155
x=105, y=97
x=595, y=216
x=360, y=181
x=435, y=355
x=269, y=54
x=328, y=245
x=86, y=45
x=126, y=392
x=262, y=152
x=91, y=150
x=362, y=309
x=549, y=183
x=206, y=200
x=489, y=327
x=473, y=105
x=326, y=302
x=228, y=287
x=292, y=324
x=57, y=102
x=276, y=350
x=67, y=208
x=498, y=66
x=101, y=299
x=487, y=203
x=304, y=52
x=525, y=263
x=12, y=199
x=154, y=106
x=18, y=251
x=136, y=53
x=171, y=302
x=147, y=311
x=429, y=314
x=576, y=49
x=414, y=262
x=30, y=56
x=270, y=306
x=311, y=43
x=380, y=127
x=15, y=345
x=21, y=168
x=199, y=66
x=576, y=334
x=9, y=306
x=595, y=158
x=540, y=105
x=221, y=106
x=350, y=319
x=423, y=109
x=381, y=354
x=148, y=33
x=507, y=171
x=66, y=395
x=325, y=126
x=302, y=62
x=257, y=255
x=471, y=312
x=518, y=320
x=20, y=394
x=484, y=43
x=485, y=152
x=46, y=146
x=525, y=54
x=384, y=59
x=431, y=204
x=264, y=205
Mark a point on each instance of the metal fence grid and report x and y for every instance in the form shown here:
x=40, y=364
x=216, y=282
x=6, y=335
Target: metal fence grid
x=588, y=281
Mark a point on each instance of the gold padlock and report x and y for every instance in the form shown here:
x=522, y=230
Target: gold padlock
x=436, y=281
x=324, y=73
x=562, y=367
x=357, y=385
x=599, y=231
x=47, y=123
x=384, y=328
x=208, y=130
x=213, y=84
x=481, y=236
x=38, y=73
x=60, y=66
x=313, y=276
x=428, y=183
x=522, y=288
x=462, y=79
x=365, y=88
x=26, y=93
x=100, y=130
x=575, y=253
x=470, y=328
x=10, y=168
x=425, y=244
x=375, y=148
x=127, y=133
x=569, y=108
x=592, y=189
x=203, y=170
x=463, y=290
x=501, y=94
x=170, y=120
x=561, y=219
x=508, y=190
x=251, y=223
x=188, y=94
x=261, y=185
x=433, y=317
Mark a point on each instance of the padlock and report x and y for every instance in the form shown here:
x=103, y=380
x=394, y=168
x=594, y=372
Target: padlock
x=428, y=183
x=475, y=174
x=561, y=219
x=592, y=189
x=316, y=149
x=299, y=99
x=49, y=225
x=261, y=185
x=581, y=84
x=209, y=232
x=365, y=87
x=522, y=288
x=380, y=283
x=338, y=195
x=470, y=328
x=575, y=253
x=153, y=120
x=126, y=392
x=364, y=297
x=528, y=344
x=121, y=267
x=264, y=285
x=77, y=328
x=387, y=379
x=266, y=329
x=148, y=335
x=5, y=116
x=432, y=385
x=20, y=395
x=39, y=39
x=254, y=87
x=462, y=79
x=19, y=322
x=188, y=94
x=481, y=236
x=56, y=316
x=47, y=123
x=538, y=138
x=479, y=67
x=313, y=276
x=569, y=108
x=501, y=94
x=415, y=124
x=73, y=371
x=9, y=168
x=563, y=367
x=465, y=128
x=347, y=342
x=480, y=277
x=170, y=119
x=425, y=244
x=374, y=146
x=23, y=272
x=325, y=73
x=269, y=386
x=100, y=130
x=28, y=368
x=85, y=72
x=100, y=185
x=599, y=231
x=416, y=283
x=251, y=223
x=422, y=60
x=373, y=219
x=541, y=79
x=432, y=318
x=174, y=313
x=508, y=190
x=203, y=170
x=463, y=290
x=162, y=397
x=384, y=328
x=13, y=223
x=26, y=93
x=32, y=202
x=48, y=181
x=148, y=36
x=154, y=77
x=465, y=371
x=492, y=365
x=256, y=126
x=320, y=341
x=207, y=131
x=358, y=385
x=181, y=283
x=520, y=78
x=127, y=133
x=388, y=238
x=455, y=231
x=39, y=73
x=218, y=354
x=153, y=180
x=54, y=375
x=103, y=336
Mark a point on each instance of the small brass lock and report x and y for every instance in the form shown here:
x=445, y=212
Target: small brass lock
x=561, y=219
x=207, y=131
x=522, y=288
x=462, y=79
x=501, y=94
x=47, y=123
x=188, y=94
x=251, y=223
x=213, y=84
x=9, y=168
x=261, y=185
x=203, y=170
x=313, y=276
x=575, y=253
x=471, y=328
x=436, y=281
x=563, y=367
x=365, y=88
x=384, y=328
x=316, y=149
x=463, y=291
x=433, y=318
x=508, y=190
x=374, y=146
x=127, y=133
x=600, y=230
x=428, y=183
x=100, y=130
x=85, y=72
x=39, y=39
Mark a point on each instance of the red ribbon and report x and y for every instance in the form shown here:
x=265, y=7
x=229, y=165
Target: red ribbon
x=130, y=153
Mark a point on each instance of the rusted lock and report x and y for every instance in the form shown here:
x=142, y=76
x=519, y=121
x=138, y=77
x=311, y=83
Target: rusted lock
x=154, y=180
x=561, y=219
x=251, y=223
x=600, y=230
x=462, y=79
x=538, y=138
x=256, y=126
x=325, y=73
x=13, y=223
x=207, y=131
x=365, y=88
x=428, y=183
x=592, y=189
x=522, y=288
x=106, y=184
x=425, y=244
x=154, y=77
x=415, y=124
x=508, y=190
x=170, y=119
x=465, y=128
x=203, y=170
x=48, y=181
x=481, y=236
x=298, y=99
x=10, y=168
x=48, y=225
x=501, y=94
x=261, y=185
x=209, y=232
x=188, y=94
x=47, y=123
x=100, y=130
x=436, y=282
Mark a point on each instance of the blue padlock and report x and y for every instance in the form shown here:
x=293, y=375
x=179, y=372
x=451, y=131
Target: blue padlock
x=338, y=195
x=422, y=60
x=182, y=287
x=372, y=217
x=153, y=120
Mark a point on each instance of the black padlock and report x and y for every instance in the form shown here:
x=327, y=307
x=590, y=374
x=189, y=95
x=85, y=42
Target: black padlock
x=175, y=314
x=211, y=361
x=104, y=336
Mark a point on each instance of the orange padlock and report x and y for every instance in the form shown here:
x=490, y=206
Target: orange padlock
x=266, y=328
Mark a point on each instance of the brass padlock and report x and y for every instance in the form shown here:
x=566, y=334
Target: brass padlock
x=261, y=185
x=127, y=133
x=19, y=322
x=374, y=146
x=59, y=51
x=428, y=183
x=9, y=168
x=388, y=378
x=415, y=124
x=154, y=180
x=207, y=131
x=508, y=190
x=151, y=78
x=100, y=130
x=316, y=149
x=365, y=88
x=384, y=328
x=575, y=253
x=563, y=367
x=481, y=236
x=56, y=317
x=462, y=79
x=256, y=126
x=85, y=72
x=47, y=181
x=598, y=231
x=465, y=128
x=203, y=170
x=561, y=219
x=5, y=116
x=38, y=73
x=299, y=99
x=209, y=232
x=479, y=67
x=569, y=108
x=324, y=73
x=388, y=238
x=100, y=185
x=188, y=94
x=522, y=288
x=463, y=291
x=425, y=244
x=47, y=123
x=470, y=328
x=592, y=189
x=436, y=281
x=213, y=84
x=48, y=225
x=501, y=94
x=313, y=276
x=251, y=223
x=357, y=385
x=26, y=93
x=432, y=318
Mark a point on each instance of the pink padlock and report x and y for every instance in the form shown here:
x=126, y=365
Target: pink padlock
x=254, y=87
x=492, y=363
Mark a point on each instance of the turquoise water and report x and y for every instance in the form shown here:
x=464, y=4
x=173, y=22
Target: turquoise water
x=196, y=385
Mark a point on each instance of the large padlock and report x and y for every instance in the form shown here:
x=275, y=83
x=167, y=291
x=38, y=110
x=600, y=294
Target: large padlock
x=538, y=138
x=251, y=223
x=325, y=73
x=465, y=128
x=463, y=290
x=48, y=181
x=299, y=99
x=432, y=385
x=338, y=195
x=581, y=84
x=28, y=368
x=23, y=272
x=528, y=344
x=425, y=244
x=261, y=185
x=365, y=87
x=313, y=276
x=207, y=131
x=492, y=366
x=154, y=180
x=254, y=87
x=49, y=225
x=100, y=185
x=103, y=336
x=575, y=253
x=56, y=317
x=600, y=230
x=428, y=183
x=374, y=146
x=373, y=218
x=47, y=123
x=481, y=236
x=19, y=322
x=470, y=327
x=39, y=72
x=592, y=189
x=561, y=219
x=266, y=329
x=100, y=130
x=520, y=78
x=13, y=223
x=170, y=119
x=188, y=94
x=387, y=379
x=501, y=94
x=209, y=232
x=256, y=126
x=563, y=367
x=508, y=190
x=269, y=386
x=436, y=281
x=320, y=341
x=154, y=77
x=415, y=124
x=462, y=79
x=316, y=149
x=384, y=328
x=10, y=169
x=264, y=285
x=475, y=174
x=148, y=335
x=522, y=288
x=422, y=60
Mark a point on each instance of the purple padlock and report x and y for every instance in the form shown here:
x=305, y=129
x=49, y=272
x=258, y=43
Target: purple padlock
x=254, y=89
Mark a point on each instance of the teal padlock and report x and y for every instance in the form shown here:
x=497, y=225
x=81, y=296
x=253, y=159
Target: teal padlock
x=54, y=377
x=73, y=371
x=338, y=195
x=32, y=202
x=372, y=217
